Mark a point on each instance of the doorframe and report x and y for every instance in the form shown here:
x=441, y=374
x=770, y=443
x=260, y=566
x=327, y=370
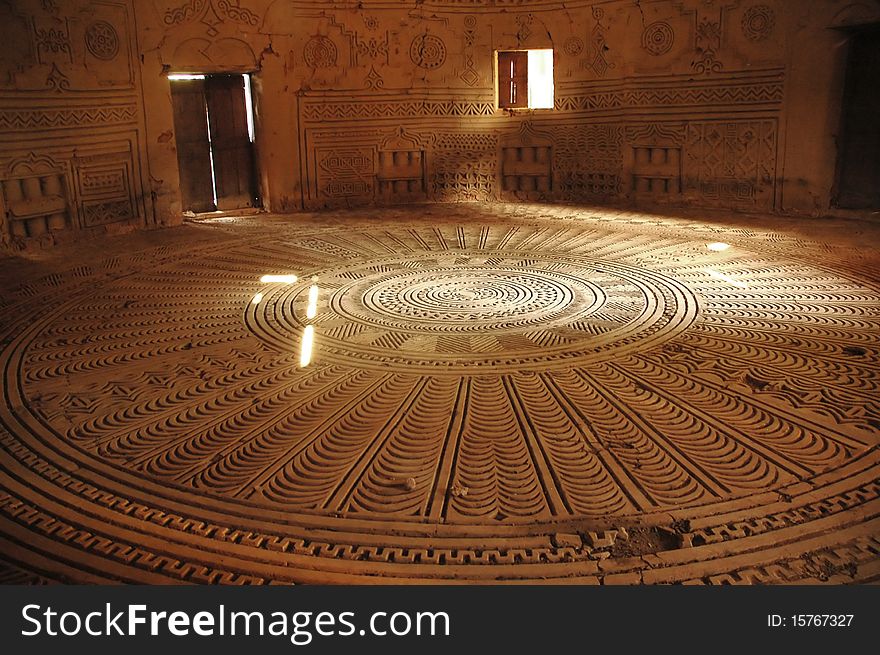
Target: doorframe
x=251, y=110
x=843, y=71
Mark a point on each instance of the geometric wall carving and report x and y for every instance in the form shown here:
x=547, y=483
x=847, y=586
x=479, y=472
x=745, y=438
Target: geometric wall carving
x=105, y=192
x=102, y=40
x=597, y=60
x=708, y=45
x=346, y=172
x=222, y=54
x=320, y=52
x=427, y=51
x=103, y=213
x=211, y=13
x=657, y=38
x=94, y=184
x=758, y=22
x=761, y=87
x=657, y=170
x=61, y=117
x=545, y=157
x=328, y=110
x=731, y=161
x=587, y=161
x=464, y=167
x=72, y=133
x=573, y=46
x=53, y=42
x=352, y=77
x=526, y=168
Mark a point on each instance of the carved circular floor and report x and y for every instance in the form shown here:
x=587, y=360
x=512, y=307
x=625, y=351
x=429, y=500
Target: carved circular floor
x=476, y=310
x=546, y=395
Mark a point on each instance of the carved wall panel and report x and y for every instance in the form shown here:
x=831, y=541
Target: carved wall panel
x=464, y=167
x=354, y=75
x=105, y=190
x=657, y=171
x=35, y=196
x=72, y=151
x=731, y=162
x=74, y=186
x=588, y=161
x=346, y=174
x=527, y=164
x=526, y=168
x=655, y=161
x=724, y=92
x=401, y=169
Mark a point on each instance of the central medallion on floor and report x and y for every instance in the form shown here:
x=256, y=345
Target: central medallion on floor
x=463, y=310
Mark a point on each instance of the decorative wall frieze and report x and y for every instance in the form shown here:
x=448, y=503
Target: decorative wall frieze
x=211, y=13
x=371, y=107
x=38, y=118
x=764, y=88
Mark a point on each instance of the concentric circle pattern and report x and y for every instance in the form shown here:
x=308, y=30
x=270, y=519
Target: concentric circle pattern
x=475, y=311
x=441, y=396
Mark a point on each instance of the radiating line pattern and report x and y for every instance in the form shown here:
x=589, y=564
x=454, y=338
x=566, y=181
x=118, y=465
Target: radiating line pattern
x=481, y=396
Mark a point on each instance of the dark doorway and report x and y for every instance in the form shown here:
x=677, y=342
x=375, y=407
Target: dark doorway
x=213, y=122
x=858, y=164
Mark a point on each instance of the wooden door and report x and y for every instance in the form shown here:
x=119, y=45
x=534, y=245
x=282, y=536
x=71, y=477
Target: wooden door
x=193, y=146
x=230, y=141
x=858, y=181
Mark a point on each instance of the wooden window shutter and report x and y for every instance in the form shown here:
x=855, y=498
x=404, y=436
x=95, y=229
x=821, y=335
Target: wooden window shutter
x=513, y=79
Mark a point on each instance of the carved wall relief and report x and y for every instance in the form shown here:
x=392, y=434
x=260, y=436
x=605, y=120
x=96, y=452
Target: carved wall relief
x=401, y=169
x=657, y=38
x=597, y=60
x=213, y=55
x=469, y=74
x=427, y=51
x=104, y=185
x=464, y=167
x=35, y=195
x=587, y=161
x=573, y=46
x=346, y=173
x=320, y=52
x=758, y=22
x=655, y=160
x=102, y=41
x=657, y=170
x=71, y=132
x=355, y=74
x=64, y=188
x=527, y=164
x=211, y=13
x=731, y=162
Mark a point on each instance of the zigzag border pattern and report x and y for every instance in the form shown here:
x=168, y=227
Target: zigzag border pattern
x=22, y=119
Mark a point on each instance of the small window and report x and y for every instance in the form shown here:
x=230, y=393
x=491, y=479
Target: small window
x=525, y=79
